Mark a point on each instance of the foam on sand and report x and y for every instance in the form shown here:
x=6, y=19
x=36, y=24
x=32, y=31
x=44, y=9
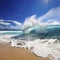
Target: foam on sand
x=43, y=48
x=5, y=38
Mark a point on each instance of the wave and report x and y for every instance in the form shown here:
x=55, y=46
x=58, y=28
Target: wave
x=43, y=41
x=48, y=32
x=42, y=38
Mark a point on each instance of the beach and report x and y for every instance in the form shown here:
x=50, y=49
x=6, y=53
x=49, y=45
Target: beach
x=16, y=49
x=13, y=53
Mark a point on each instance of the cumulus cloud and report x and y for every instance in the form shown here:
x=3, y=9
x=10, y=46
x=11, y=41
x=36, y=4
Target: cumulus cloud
x=52, y=17
x=30, y=21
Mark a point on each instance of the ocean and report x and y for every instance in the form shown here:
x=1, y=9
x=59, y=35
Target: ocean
x=44, y=42
x=11, y=32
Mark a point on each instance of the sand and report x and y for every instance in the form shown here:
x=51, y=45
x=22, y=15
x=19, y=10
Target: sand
x=13, y=53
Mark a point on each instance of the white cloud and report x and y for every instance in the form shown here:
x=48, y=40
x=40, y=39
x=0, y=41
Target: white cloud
x=8, y=24
x=30, y=21
x=53, y=22
x=52, y=14
x=17, y=23
x=4, y=23
x=52, y=17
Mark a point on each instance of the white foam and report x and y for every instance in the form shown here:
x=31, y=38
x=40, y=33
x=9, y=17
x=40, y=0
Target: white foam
x=5, y=38
x=44, y=48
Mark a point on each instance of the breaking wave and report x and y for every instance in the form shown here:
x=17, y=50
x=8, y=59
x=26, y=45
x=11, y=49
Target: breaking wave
x=42, y=40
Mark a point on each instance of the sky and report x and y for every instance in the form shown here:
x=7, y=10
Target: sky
x=20, y=9
x=17, y=13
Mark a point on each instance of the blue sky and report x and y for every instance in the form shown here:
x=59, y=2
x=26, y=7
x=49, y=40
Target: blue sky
x=20, y=9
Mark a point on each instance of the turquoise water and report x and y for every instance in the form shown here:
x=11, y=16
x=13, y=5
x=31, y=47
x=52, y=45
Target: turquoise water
x=37, y=31
x=49, y=32
x=11, y=32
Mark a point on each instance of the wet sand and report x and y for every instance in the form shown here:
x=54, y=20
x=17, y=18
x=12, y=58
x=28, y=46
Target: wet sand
x=13, y=53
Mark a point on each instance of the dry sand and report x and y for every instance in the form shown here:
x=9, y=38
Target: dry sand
x=13, y=53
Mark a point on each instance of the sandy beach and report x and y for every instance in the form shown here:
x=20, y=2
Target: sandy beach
x=14, y=53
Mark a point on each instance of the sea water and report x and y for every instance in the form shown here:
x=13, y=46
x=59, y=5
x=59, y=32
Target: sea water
x=11, y=32
x=5, y=36
x=42, y=42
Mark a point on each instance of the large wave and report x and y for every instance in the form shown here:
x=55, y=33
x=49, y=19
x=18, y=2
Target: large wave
x=42, y=39
x=37, y=29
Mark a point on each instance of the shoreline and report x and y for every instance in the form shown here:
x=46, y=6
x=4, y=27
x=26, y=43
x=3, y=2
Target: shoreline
x=14, y=53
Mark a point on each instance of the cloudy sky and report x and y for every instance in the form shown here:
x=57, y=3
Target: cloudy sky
x=20, y=9
x=17, y=11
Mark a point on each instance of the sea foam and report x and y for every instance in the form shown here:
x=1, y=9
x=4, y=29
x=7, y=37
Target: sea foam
x=44, y=48
x=43, y=39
